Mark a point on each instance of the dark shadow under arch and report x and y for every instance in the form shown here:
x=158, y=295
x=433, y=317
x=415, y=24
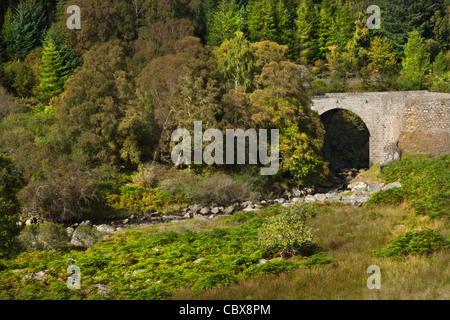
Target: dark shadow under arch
x=346, y=143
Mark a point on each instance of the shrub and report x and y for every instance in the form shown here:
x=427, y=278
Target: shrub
x=415, y=243
x=214, y=280
x=425, y=185
x=86, y=236
x=273, y=267
x=394, y=196
x=46, y=236
x=65, y=193
x=288, y=232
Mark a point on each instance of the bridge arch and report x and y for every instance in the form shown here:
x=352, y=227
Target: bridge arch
x=347, y=140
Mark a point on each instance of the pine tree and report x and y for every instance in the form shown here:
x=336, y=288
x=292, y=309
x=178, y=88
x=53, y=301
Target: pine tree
x=327, y=29
x=306, y=25
x=7, y=35
x=346, y=23
x=51, y=77
x=415, y=63
x=28, y=27
x=224, y=22
x=440, y=65
x=284, y=13
x=261, y=20
x=382, y=58
x=405, y=16
x=57, y=64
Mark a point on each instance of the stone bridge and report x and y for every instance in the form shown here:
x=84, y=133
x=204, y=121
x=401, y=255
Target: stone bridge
x=419, y=121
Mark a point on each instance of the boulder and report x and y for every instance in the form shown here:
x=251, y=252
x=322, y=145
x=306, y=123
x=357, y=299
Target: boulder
x=359, y=186
x=373, y=188
x=229, y=210
x=106, y=228
x=333, y=197
x=391, y=153
x=215, y=210
x=392, y=185
x=309, y=198
x=196, y=208
x=320, y=197
x=204, y=211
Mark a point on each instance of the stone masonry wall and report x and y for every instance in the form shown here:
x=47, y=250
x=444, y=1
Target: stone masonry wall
x=418, y=120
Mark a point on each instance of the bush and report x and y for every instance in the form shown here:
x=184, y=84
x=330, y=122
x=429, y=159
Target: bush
x=288, y=231
x=394, y=196
x=273, y=267
x=46, y=236
x=86, y=236
x=62, y=194
x=415, y=243
x=214, y=280
x=425, y=185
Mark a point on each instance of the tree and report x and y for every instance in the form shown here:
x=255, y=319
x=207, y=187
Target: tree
x=28, y=27
x=93, y=104
x=405, y=16
x=261, y=21
x=224, y=22
x=416, y=63
x=441, y=74
x=382, y=58
x=7, y=35
x=285, y=24
x=307, y=25
x=52, y=76
x=235, y=61
x=345, y=23
x=283, y=103
x=327, y=35
x=9, y=207
x=180, y=89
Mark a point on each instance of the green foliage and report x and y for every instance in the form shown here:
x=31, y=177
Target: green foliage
x=423, y=242
x=394, y=196
x=140, y=200
x=9, y=186
x=425, y=185
x=289, y=232
x=18, y=79
x=224, y=22
x=146, y=265
x=28, y=27
x=46, y=236
x=58, y=63
x=261, y=20
x=416, y=63
x=235, y=61
x=214, y=280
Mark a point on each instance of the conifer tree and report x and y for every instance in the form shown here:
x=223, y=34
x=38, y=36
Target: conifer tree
x=306, y=34
x=261, y=20
x=345, y=22
x=28, y=27
x=327, y=29
x=382, y=58
x=406, y=15
x=57, y=64
x=285, y=24
x=415, y=63
x=224, y=22
x=7, y=35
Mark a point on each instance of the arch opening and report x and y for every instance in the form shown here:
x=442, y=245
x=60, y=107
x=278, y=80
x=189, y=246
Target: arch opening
x=346, y=145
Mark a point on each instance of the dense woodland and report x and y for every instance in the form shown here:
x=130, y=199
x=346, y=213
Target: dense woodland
x=80, y=107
